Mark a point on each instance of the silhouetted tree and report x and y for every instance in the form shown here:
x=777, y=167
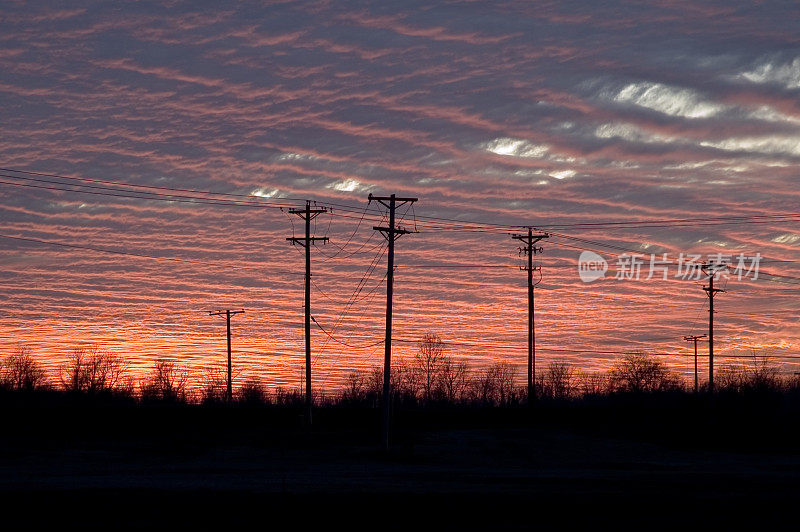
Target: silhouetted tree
x=214, y=386
x=91, y=371
x=495, y=386
x=504, y=375
x=253, y=392
x=21, y=372
x=483, y=388
x=452, y=379
x=355, y=390
x=592, y=383
x=166, y=382
x=427, y=363
x=558, y=380
x=402, y=382
x=760, y=376
x=641, y=373
x=284, y=397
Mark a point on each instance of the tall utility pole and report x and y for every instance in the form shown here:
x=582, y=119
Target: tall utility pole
x=695, y=339
x=391, y=233
x=308, y=214
x=228, y=313
x=529, y=240
x=711, y=270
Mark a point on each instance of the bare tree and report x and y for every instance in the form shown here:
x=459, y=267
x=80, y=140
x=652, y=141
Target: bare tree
x=593, y=383
x=91, y=371
x=21, y=372
x=214, y=386
x=760, y=375
x=504, y=375
x=484, y=388
x=166, y=382
x=402, y=381
x=355, y=388
x=641, y=373
x=427, y=364
x=452, y=380
x=496, y=385
x=559, y=377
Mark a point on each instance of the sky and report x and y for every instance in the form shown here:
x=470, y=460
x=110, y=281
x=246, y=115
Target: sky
x=600, y=123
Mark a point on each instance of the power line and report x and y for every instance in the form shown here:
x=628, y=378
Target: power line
x=358, y=289
x=756, y=218
x=342, y=342
x=430, y=222
x=139, y=194
x=349, y=239
x=139, y=255
x=134, y=185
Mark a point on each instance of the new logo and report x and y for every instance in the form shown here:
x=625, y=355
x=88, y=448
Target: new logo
x=591, y=266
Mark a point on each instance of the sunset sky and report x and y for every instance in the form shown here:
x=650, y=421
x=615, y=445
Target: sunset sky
x=618, y=114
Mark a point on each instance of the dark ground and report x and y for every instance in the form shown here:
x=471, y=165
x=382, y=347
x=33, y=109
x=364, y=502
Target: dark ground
x=633, y=464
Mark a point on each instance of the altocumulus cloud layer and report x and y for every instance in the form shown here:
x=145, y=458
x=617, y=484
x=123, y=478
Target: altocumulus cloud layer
x=542, y=113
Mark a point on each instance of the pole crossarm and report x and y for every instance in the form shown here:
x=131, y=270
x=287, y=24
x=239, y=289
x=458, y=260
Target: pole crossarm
x=692, y=338
x=302, y=240
x=393, y=233
x=388, y=201
x=225, y=312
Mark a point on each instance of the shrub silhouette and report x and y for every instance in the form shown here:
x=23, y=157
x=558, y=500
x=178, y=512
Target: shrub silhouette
x=253, y=393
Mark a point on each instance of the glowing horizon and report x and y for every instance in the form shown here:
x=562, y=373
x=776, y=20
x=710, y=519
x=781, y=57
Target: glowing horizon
x=551, y=116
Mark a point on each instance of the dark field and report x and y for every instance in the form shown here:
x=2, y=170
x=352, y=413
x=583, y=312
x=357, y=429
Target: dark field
x=641, y=462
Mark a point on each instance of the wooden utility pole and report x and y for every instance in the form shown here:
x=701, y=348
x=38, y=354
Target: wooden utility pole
x=390, y=233
x=695, y=339
x=308, y=214
x=228, y=313
x=529, y=240
x=711, y=270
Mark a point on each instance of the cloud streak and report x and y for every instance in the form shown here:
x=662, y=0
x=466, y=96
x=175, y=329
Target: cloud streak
x=559, y=113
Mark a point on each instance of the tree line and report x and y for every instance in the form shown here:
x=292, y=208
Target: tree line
x=431, y=376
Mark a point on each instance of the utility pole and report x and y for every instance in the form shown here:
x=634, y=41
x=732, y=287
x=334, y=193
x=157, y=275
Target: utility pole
x=391, y=233
x=308, y=214
x=711, y=269
x=694, y=339
x=228, y=313
x=529, y=240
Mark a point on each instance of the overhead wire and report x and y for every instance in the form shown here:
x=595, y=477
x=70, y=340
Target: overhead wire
x=421, y=223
